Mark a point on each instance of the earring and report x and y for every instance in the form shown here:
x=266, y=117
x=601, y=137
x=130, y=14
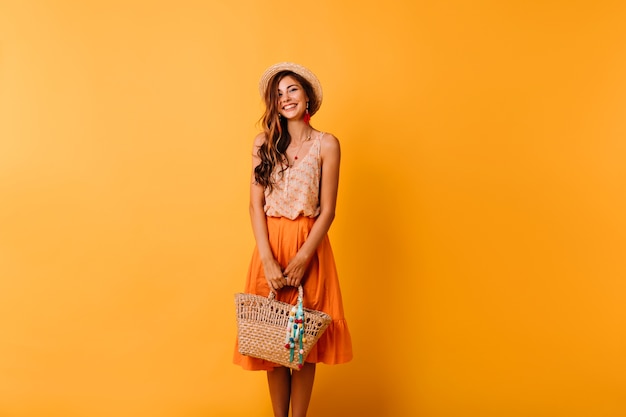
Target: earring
x=307, y=116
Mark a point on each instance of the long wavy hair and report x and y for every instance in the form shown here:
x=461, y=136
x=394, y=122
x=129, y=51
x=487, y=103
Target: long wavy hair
x=273, y=151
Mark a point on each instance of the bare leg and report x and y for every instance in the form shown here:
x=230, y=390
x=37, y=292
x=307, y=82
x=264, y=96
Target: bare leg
x=301, y=389
x=279, y=382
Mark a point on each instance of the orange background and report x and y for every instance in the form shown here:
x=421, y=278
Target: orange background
x=480, y=233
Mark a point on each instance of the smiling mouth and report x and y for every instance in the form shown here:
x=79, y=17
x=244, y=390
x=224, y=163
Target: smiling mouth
x=289, y=107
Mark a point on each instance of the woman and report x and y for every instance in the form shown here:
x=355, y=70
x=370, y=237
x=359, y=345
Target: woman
x=293, y=195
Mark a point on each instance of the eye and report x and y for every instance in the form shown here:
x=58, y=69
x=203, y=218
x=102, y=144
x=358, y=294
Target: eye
x=293, y=89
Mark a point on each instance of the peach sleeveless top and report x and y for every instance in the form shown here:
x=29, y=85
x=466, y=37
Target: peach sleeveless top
x=296, y=190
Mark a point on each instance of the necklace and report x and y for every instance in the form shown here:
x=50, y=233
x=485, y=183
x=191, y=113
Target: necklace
x=308, y=138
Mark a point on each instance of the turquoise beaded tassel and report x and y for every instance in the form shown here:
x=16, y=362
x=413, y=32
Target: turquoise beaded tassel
x=295, y=333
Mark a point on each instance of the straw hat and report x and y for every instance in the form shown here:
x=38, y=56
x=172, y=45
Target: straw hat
x=301, y=71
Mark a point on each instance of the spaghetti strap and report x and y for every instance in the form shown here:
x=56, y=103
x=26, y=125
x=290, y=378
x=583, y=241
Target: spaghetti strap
x=319, y=144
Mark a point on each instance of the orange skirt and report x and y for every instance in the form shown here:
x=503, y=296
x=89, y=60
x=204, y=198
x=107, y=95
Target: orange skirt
x=321, y=291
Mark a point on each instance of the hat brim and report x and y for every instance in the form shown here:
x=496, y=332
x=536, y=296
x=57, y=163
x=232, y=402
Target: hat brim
x=297, y=69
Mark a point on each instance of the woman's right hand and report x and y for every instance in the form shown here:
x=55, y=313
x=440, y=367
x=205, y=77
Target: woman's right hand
x=274, y=275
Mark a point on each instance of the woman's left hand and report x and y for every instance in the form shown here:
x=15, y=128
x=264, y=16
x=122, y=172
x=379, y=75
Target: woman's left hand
x=295, y=270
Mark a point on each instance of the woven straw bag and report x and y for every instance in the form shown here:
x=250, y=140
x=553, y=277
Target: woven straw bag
x=262, y=328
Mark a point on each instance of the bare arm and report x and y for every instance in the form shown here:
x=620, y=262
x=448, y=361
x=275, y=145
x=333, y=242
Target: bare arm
x=331, y=156
x=271, y=267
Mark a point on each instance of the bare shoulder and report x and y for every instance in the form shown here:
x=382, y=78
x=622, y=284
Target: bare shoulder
x=259, y=139
x=329, y=143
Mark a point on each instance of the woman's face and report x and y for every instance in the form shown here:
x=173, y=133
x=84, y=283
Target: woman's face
x=292, y=98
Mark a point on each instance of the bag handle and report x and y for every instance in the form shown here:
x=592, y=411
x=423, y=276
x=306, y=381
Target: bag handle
x=300, y=294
